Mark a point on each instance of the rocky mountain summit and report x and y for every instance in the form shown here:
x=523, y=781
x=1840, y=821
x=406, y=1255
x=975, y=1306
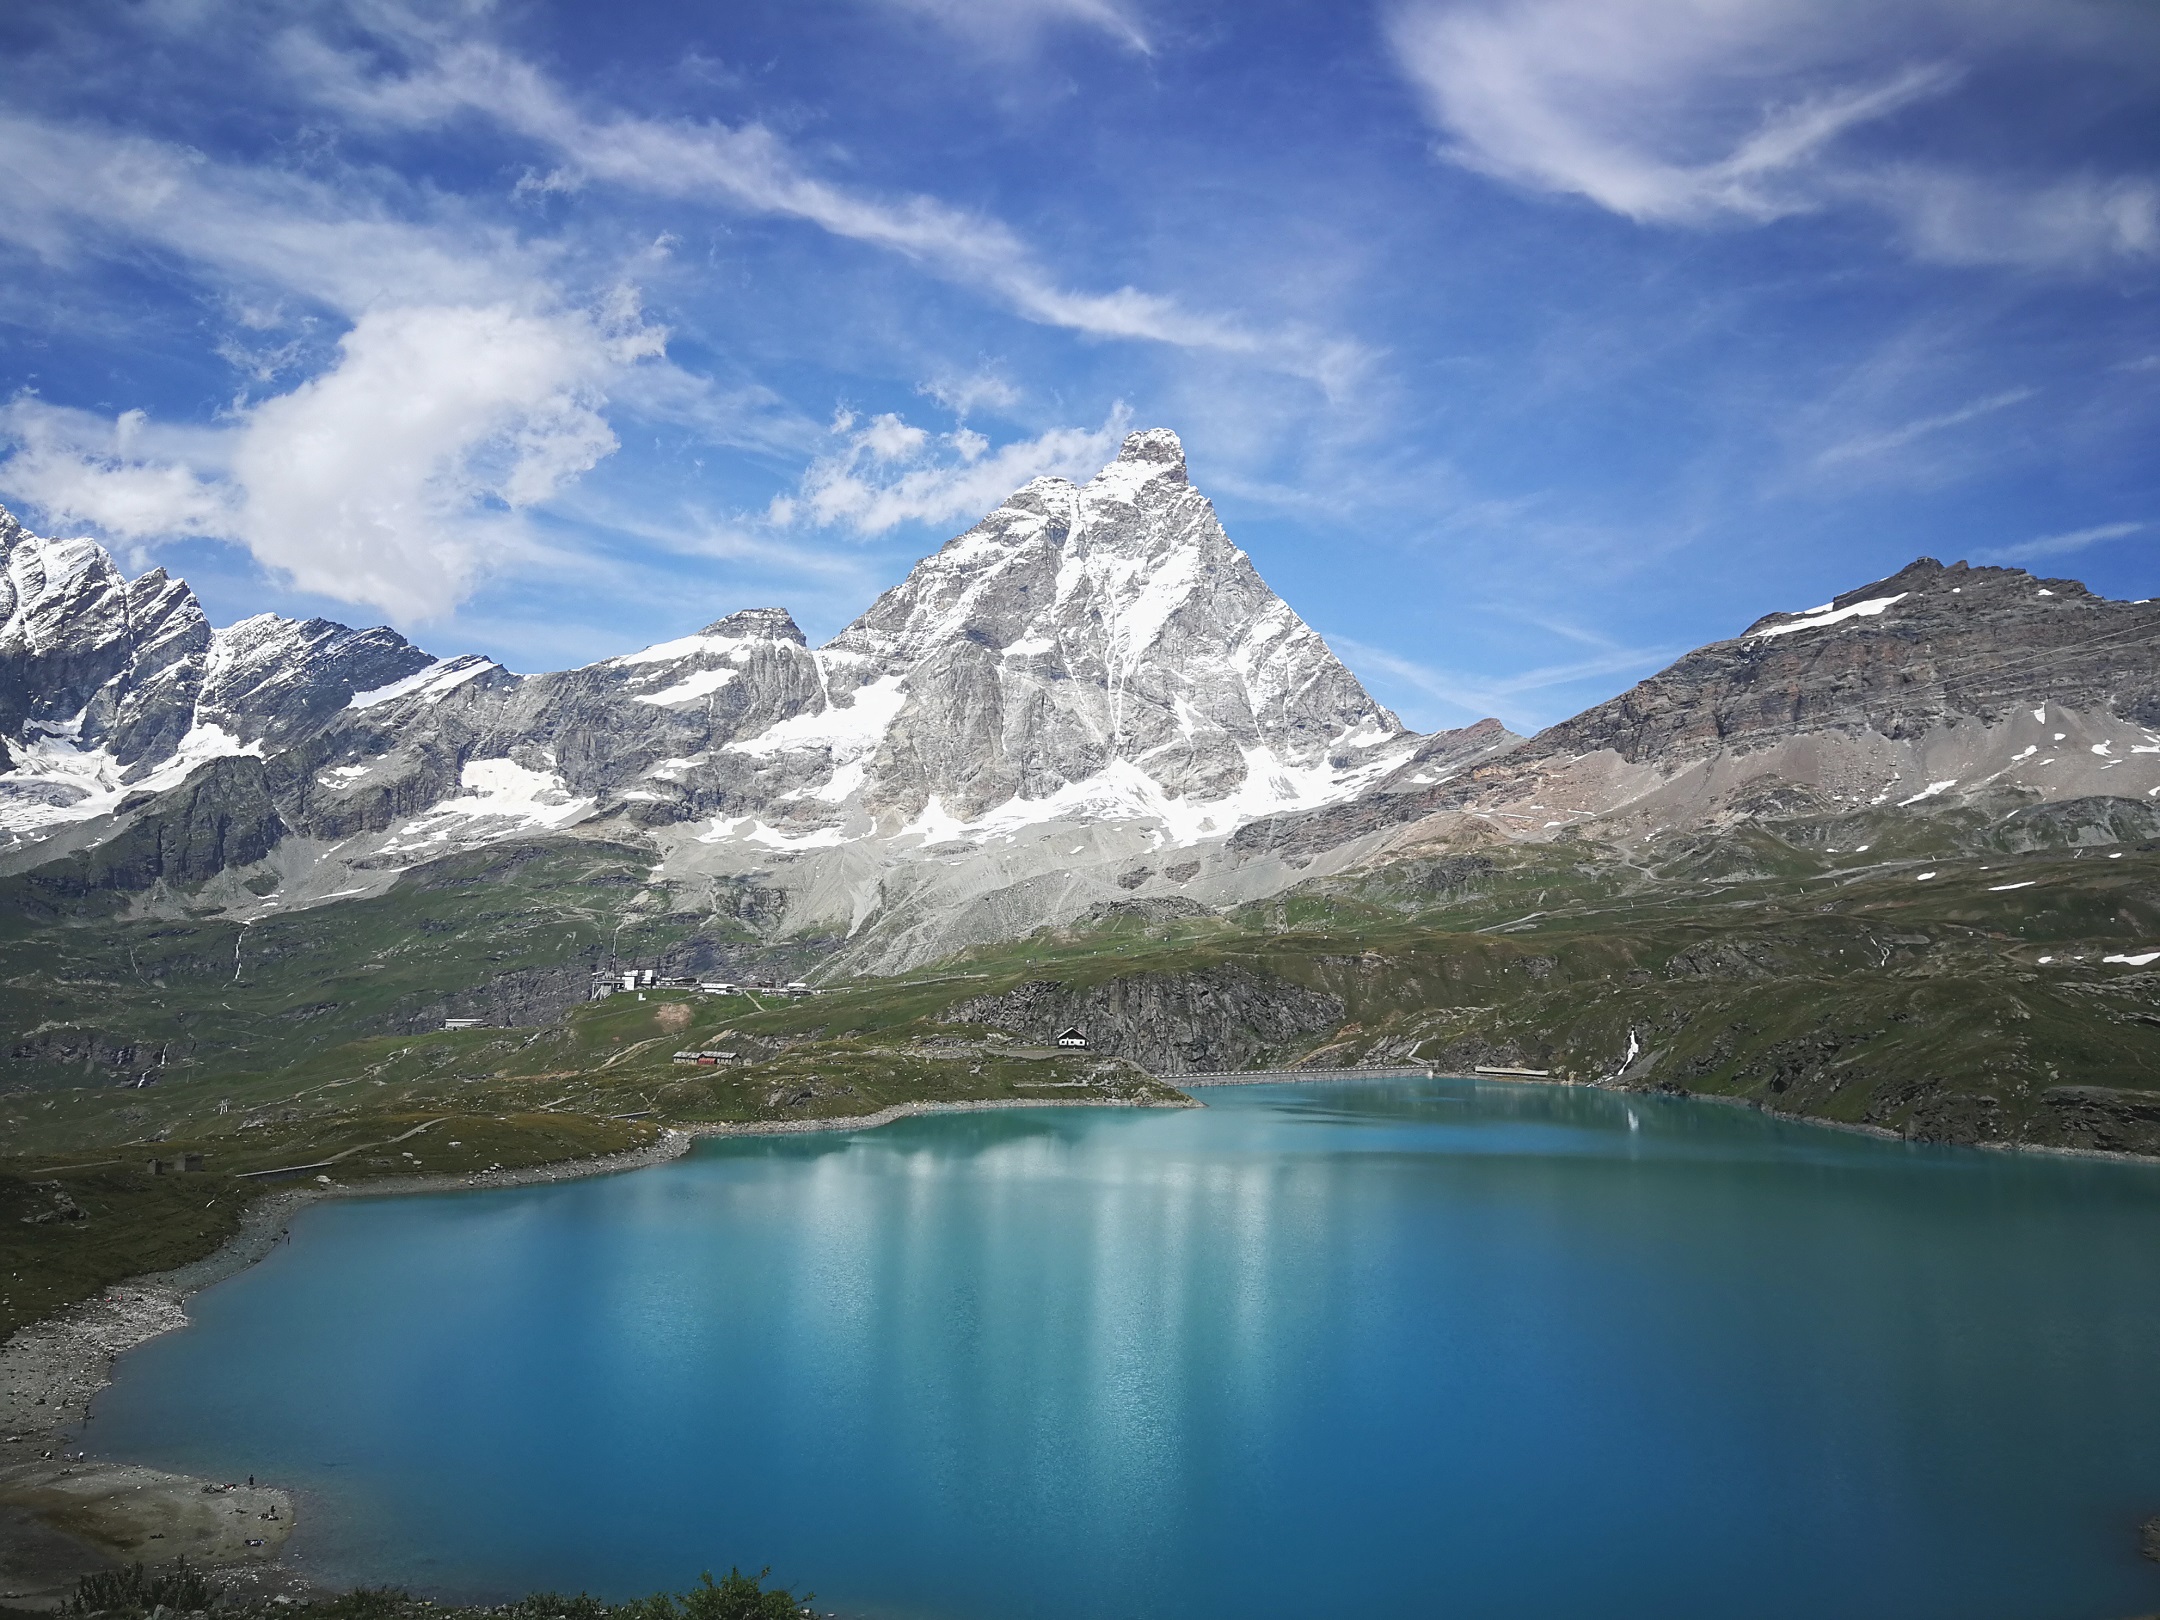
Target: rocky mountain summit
x=1888, y=861
x=1938, y=687
x=1090, y=699
x=111, y=688
x=1095, y=660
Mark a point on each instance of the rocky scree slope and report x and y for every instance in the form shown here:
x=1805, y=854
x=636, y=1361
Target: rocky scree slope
x=1935, y=688
x=1884, y=861
x=112, y=689
x=1094, y=656
x=1893, y=861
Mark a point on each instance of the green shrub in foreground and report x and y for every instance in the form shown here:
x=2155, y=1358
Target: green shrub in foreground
x=179, y=1590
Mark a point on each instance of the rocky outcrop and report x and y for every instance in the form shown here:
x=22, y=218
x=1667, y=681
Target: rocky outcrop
x=2080, y=823
x=1937, y=685
x=1152, y=913
x=220, y=817
x=2102, y=1118
x=1225, y=1017
x=90, y=1051
x=1899, y=657
x=111, y=687
x=524, y=997
x=88, y=657
x=1445, y=770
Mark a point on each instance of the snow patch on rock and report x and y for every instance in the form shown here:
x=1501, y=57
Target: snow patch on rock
x=691, y=687
x=1817, y=618
x=504, y=788
x=443, y=676
x=849, y=732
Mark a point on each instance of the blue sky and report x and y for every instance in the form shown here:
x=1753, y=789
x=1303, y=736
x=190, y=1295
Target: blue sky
x=1524, y=343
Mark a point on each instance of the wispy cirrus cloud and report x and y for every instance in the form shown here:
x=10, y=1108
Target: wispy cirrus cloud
x=1014, y=27
x=470, y=383
x=1594, y=98
x=74, y=192
x=478, y=363
x=1474, y=697
x=1866, y=446
x=750, y=167
x=974, y=391
x=2077, y=222
x=1701, y=113
x=2062, y=545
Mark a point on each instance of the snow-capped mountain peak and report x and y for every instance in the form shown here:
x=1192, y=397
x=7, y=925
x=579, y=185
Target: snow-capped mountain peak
x=1079, y=625
x=1094, y=656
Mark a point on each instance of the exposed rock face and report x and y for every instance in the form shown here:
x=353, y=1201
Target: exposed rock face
x=1107, y=633
x=1444, y=768
x=1923, y=649
x=1093, y=655
x=1100, y=649
x=2080, y=823
x=108, y=686
x=524, y=997
x=222, y=816
x=88, y=656
x=91, y=1049
x=1088, y=699
x=1939, y=685
x=2103, y=1119
x=1215, y=1018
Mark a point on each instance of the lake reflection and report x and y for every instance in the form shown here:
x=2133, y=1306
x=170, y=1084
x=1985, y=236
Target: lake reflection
x=1419, y=1347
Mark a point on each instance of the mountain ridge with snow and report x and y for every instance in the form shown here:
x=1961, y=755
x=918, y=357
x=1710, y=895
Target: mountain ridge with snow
x=1088, y=698
x=1097, y=654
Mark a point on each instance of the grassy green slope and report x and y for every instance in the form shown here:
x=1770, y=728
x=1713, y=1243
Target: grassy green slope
x=1807, y=966
x=1974, y=1004
x=90, y=999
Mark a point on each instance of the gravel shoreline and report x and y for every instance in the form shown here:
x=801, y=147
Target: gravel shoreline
x=51, y=1370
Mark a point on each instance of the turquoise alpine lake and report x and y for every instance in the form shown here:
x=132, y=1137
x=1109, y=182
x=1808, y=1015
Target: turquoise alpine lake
x=1417, y=1347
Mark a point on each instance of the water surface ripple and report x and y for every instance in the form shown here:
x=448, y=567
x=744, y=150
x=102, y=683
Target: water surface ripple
x=1429, y=1347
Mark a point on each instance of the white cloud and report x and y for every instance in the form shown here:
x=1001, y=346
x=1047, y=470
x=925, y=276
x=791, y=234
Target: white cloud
x=749, y=167
x=1876, y=444
x=1701, y=112
x=1668, y=111
x=382, y=480
x=886, y=438
x=885, y=473
x=965, y=395
x=470, y=384
x=2079, y=223
x=69, y=191
x=2058, y=545
x=119, y=476
x=394, y=478
x=1010, y=27
x=1478, y=696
